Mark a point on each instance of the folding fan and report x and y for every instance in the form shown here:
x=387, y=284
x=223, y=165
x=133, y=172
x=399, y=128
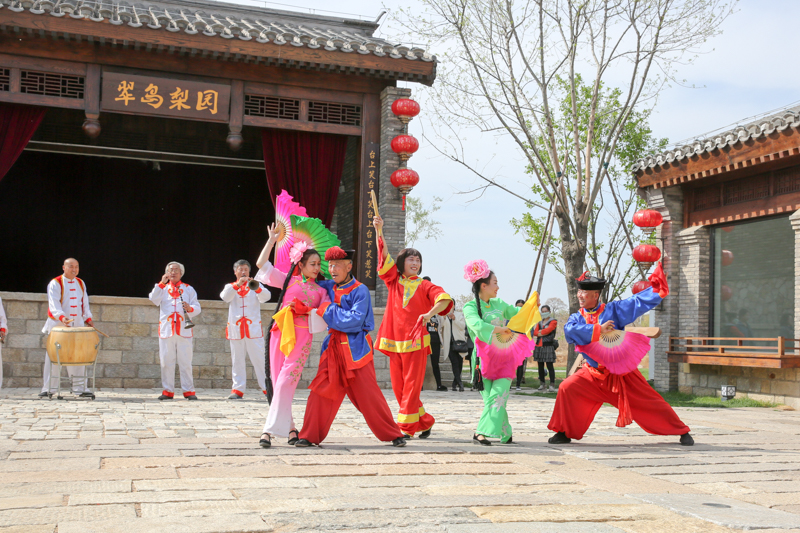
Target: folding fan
x=619, y=351
x=501, y=357
x=285, y=207
x=316, y=235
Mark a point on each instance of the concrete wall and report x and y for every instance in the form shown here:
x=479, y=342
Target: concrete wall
x=129, y=357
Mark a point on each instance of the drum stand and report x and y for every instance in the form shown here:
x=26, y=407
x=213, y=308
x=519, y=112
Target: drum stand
x=79, y=381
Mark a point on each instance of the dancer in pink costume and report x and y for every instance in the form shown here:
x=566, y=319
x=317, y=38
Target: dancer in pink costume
x=285, y=370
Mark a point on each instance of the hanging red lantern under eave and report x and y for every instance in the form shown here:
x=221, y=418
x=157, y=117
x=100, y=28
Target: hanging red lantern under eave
x=727, y=258
x=405, y=109
x=647, y=219
x=404, y=179
x=639, y=286
x=646, y=253
x=404, y=146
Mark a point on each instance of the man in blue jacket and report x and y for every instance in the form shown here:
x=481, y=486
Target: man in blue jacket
x=345, y=366
x=581, y=395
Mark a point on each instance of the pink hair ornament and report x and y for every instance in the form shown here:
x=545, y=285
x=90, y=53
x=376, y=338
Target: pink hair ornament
x=296, y=253
x=475, y=270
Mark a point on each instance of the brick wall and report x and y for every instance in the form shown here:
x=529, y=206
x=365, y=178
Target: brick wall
x=129, y=357
x=694, y=282
x=390, y=201
x=778, y=385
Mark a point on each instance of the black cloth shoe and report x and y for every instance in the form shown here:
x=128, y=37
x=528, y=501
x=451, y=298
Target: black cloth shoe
x=265, y=443
x=425, y=434
x=192, y=397
x=44, y=395
x=559, y=438
x=441, y=388
x=399, y=442
x=164, y=397
x=407, y=436
x=461, y=388
x=234, y=397
x=482, y=441
x=293, y=440
x=303, y=443
x=509, y=441
x=687, y=440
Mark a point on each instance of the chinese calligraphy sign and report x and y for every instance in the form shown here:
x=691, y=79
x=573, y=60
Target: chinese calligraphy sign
x=150, y=95
x=367, y=255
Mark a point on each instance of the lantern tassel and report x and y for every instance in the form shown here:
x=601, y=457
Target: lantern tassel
x=404, y=202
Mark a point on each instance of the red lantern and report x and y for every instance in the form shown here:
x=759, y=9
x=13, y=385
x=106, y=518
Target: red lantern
x=727, y=293
x=727, y=258
x=404, y=179
x=405, y=109
x=639, y=286
x=404, y=146
x=646, y=253
x=647, y=218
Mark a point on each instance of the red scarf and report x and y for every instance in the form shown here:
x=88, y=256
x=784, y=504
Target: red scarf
x=336, y=376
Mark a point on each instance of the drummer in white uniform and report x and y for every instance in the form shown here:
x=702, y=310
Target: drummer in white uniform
x=67, y=305
x=244, y=328
x=3, y=333
x=176, y=301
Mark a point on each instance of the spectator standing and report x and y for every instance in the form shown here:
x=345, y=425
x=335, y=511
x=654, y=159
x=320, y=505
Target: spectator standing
x=454, y=342
x=436, y=347
x=545, y=351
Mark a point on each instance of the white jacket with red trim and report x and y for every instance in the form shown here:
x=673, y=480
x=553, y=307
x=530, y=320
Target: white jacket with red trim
x=67, y=298
x=244, y=311
x=171, y=319
x=3, y=321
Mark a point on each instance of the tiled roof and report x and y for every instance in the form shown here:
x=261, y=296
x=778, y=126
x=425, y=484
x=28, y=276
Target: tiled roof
x=789, y=118
x=229, y=21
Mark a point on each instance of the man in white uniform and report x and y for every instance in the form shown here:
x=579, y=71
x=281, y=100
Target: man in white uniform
x=176, y=301
x=3, y=333
x=67, y=305
x=244, y=328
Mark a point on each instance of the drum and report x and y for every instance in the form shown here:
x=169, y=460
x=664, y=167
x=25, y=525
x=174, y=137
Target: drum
x=77, y=346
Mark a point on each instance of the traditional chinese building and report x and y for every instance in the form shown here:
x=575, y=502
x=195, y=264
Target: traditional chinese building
x=136, y=134
x=731, y=248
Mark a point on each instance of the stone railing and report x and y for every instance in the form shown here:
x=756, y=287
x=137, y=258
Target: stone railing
x=129, y=357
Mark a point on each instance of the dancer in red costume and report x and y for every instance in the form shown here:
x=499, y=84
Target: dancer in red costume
x=345, y=366
x=581, y=395
x=402, y=336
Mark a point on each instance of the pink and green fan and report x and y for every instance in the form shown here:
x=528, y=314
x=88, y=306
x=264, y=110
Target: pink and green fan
x=314, y=233
x=619, y=351
x=285, y=207
x=501, y=357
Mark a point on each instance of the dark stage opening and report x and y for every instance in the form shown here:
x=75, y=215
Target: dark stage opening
x=125, y=219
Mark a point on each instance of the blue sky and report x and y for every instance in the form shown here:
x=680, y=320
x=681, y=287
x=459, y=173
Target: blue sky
x=744, y=75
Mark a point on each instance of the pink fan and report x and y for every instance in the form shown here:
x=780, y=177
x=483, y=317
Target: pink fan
x=504, y=354
x=285, y=207
x=619, y=351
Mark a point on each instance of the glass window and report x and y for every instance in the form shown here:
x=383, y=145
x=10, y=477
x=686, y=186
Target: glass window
x=753, y=289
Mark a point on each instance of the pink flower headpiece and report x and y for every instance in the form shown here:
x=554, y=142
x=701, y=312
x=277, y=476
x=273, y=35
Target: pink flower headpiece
x=296, y=253
x=476, y=270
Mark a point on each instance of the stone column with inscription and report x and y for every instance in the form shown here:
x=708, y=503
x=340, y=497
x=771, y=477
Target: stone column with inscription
x=390, y=201
x=668, y=202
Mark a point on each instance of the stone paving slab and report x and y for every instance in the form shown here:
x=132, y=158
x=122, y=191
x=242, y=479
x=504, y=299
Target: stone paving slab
x=726, y=512
x=127, y=462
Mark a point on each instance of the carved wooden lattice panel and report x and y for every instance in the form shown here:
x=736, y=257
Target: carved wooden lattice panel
x=50, y=84
x=5, y=79
x=331, y=113
x=746, y=190
x=706, y=197
x=787, y=180
x=271, y=107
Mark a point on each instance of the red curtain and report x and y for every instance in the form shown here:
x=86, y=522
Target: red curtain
x=308, y=165
x=18, y=123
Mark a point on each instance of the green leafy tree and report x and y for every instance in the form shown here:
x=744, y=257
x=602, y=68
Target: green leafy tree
x=420, y=221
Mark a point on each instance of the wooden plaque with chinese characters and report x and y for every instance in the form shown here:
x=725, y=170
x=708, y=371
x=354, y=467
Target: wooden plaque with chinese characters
x=164, y=97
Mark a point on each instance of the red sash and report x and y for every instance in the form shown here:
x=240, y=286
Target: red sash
x=617, y=385
x=336, y=376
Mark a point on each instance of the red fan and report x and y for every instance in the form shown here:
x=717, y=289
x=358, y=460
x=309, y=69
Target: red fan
x=504, y=354
x=619, y=351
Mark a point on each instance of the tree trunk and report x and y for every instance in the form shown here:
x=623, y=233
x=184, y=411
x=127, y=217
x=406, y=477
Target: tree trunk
x=574, y=256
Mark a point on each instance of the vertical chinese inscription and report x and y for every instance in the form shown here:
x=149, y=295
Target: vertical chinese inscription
x=369, y=182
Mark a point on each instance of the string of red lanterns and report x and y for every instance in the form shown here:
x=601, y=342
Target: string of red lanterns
x=646, y=254
x=405, y=145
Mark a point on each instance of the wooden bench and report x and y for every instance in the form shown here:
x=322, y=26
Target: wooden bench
x=771, y=352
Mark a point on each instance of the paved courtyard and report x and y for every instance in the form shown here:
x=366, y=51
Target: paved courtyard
x=126, y=462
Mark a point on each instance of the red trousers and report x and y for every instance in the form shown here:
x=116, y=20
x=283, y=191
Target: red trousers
x=583, y=393
x=408, y=373
x=365, y=395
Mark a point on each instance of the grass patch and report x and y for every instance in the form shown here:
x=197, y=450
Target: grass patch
x=679, y=399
